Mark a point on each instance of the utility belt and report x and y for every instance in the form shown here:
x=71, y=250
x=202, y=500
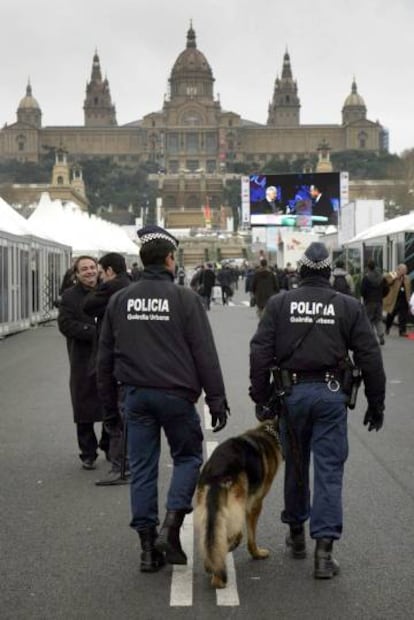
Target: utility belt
x=347, y=379
x=332, y=377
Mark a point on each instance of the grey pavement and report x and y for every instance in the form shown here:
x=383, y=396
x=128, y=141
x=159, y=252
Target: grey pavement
x=66, y=550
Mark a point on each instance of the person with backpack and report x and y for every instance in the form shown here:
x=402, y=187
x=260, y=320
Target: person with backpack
x=341, y=280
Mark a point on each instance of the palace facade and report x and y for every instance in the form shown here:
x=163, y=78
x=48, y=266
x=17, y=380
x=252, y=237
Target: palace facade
x=192, y=141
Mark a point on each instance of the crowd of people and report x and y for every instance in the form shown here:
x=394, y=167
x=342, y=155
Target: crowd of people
x=141, y=351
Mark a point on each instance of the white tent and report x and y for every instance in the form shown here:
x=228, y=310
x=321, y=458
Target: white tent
x=403, y=223
x=85, y=234
x=48, y=220
x=12, y=222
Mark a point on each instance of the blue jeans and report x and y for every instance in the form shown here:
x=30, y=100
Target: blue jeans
x=147, y=411
x=318, y=420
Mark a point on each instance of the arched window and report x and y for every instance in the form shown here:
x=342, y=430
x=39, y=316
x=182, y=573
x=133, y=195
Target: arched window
x=362, y=138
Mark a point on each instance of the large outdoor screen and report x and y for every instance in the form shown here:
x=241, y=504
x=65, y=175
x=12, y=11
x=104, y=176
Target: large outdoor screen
x=301, y=200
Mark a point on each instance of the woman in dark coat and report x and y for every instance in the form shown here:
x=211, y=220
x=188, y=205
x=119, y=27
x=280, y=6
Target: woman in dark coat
x=80, y=332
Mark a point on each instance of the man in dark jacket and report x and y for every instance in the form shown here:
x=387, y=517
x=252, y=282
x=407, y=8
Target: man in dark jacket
x=264, y=285
x=80, y=332
x=206, y=284
x=373, y=289
x=225, y=280
x=306, y=333
x=157, y=341
x=113, y=277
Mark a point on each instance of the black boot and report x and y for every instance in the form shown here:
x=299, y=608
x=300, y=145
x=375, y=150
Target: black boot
x=168, y=540
x=151, y=559
x=326, y=566
x=295, y=541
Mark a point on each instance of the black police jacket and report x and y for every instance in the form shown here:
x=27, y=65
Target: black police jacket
x=156, y=334
x=342, y=325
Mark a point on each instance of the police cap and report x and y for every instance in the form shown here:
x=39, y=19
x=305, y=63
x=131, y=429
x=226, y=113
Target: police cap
x=156, y=233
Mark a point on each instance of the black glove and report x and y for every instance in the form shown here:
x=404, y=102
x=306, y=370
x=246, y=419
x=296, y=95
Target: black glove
x=374, y=417
x=264, y=412
x=219, y=418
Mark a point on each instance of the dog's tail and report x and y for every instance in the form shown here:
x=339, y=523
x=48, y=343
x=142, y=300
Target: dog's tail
x=220, y=520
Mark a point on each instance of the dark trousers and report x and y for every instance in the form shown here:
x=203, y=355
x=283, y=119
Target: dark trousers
x=87, y=441
x=374, y=312
x=400, y=309
x=206, y=300
x=317, y=418
x=147, y=412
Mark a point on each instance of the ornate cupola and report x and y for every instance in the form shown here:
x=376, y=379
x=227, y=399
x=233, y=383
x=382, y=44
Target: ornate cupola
x=284, y=108
x=191, y=76
x=29, y=112
x=354, y=106
x=98, y=108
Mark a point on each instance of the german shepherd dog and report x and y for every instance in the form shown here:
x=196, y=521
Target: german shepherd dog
x=230, y=492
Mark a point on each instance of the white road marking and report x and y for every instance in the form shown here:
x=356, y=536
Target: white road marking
x=182, y=576
x=210, y=446
x=207, y=418
x=229, y=597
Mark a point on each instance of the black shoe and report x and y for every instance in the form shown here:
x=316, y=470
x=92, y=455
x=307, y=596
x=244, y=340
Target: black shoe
x=88, y=464
x=151, y=559
x=113, y=478
x=296, y=542
x=381, y=340
x=168, y=540
x=326, y=566
x=387, y=331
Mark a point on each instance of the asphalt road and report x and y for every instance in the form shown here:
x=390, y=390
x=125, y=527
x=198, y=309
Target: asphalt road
x=67, y=551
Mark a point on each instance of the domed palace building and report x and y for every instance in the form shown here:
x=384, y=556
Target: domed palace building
x=192, y=141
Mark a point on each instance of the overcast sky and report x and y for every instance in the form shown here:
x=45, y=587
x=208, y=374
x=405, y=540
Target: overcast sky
x=138, y=41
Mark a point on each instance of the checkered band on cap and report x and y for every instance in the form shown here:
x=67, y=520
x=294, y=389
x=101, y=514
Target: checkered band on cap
x=315, y=257
x=304, y=261
x=153, y=236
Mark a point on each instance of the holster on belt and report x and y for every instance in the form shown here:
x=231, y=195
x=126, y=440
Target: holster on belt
x=351, y=380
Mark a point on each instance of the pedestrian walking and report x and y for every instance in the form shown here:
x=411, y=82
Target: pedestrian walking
x=157, y=341
x=307, y=334
x=264, y=285
x=396, y=303
x=206, y=284
x=225, y=280
x=341, y=280
x=80, y=332
x=373, y=288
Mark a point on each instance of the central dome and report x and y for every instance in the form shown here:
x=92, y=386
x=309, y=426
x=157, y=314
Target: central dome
x=191, y=60
x=354, y=98
x=191, y=76
x=28, y=101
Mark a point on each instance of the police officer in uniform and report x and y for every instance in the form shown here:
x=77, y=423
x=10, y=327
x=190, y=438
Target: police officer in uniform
x=157, y=341
x=308, y=332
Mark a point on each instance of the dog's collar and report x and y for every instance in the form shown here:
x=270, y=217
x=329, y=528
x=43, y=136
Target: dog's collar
x=269, y=427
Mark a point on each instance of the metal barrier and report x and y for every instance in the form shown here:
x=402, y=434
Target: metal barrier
x=31, y=270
